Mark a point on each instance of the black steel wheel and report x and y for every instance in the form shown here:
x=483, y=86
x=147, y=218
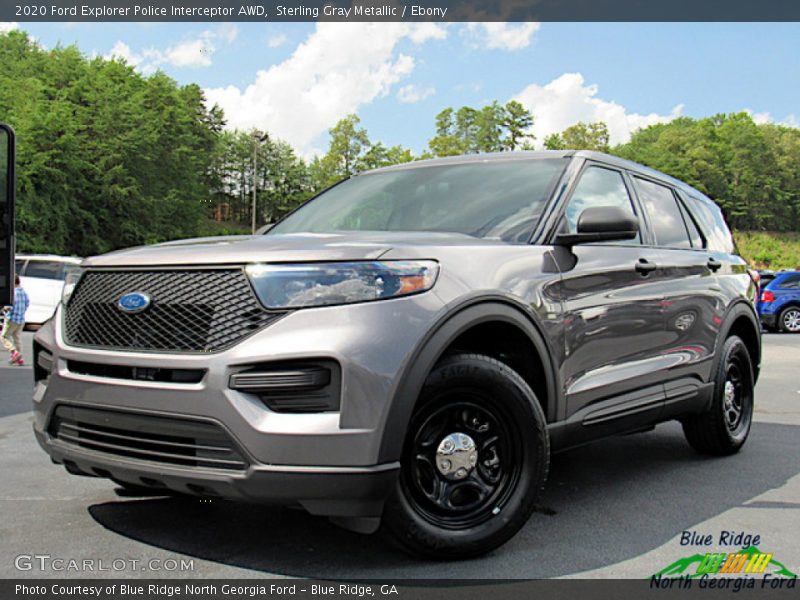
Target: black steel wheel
x=462, y=426
x=724, y=427
x=474, y=461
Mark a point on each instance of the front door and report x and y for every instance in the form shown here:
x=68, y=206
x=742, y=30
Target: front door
x=613, y=318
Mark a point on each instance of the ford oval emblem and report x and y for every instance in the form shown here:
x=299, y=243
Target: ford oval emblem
x=134, y=302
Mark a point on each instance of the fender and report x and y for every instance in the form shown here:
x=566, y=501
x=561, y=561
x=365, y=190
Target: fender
x=431, y=348
x=734, y=311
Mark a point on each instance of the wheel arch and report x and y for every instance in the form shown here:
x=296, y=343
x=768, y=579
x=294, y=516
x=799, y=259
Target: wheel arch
x=742, y=321
x=458, y=322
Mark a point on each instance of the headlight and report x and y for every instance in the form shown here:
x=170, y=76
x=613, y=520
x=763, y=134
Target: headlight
x=326, y=284
x=70, y=281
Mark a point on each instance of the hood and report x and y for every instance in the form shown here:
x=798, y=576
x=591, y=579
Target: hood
x=296, y=247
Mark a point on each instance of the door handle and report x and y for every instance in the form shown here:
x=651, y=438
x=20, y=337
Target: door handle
x=713, y=264
x=645, y=267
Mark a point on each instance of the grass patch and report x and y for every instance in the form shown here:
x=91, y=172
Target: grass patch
x=769, y=250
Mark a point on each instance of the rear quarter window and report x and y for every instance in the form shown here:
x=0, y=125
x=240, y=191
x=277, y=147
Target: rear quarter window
x=710, y=219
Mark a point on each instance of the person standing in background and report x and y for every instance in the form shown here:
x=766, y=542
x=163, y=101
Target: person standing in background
x=15, y=322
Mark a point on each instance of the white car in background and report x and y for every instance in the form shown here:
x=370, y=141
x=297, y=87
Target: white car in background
x=42, y=276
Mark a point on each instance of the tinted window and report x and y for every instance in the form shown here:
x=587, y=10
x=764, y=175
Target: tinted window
x=790, y=282
x=598, y=187
x=18, y=266
x=494, y=199
x=44, y=269
x=665, y=215
x=709, y=217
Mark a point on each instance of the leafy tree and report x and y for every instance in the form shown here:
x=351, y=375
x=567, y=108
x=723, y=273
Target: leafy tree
x=350, y=151
x=518, y=122
x=581, y=136
x=751, y=170
x=492, y=128
x=106, y=157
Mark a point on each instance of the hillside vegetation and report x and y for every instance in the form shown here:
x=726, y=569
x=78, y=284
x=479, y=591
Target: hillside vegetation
x=770, y=250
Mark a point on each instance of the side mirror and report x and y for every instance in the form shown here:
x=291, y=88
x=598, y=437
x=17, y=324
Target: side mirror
x=601, y=224
x=7, y=239
x=264, y=229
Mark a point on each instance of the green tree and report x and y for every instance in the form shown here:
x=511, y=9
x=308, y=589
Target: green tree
x=580, y=136
x=518, y=122
x=492, y=128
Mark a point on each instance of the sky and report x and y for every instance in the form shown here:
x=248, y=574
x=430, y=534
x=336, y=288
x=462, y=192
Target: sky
x=296, y=80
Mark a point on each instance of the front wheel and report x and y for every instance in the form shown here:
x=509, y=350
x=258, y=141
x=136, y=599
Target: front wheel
x=474, y=462
x=724, y=427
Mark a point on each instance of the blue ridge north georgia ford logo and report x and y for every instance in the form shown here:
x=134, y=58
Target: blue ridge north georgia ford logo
x=133, y=302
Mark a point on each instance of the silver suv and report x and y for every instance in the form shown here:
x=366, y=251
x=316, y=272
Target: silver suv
x=407, y=349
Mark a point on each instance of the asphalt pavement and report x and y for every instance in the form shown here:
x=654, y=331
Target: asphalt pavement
x=614, y=509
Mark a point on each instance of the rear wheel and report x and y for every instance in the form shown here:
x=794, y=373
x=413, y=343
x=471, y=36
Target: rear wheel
x=789, y=320
x=724, y=427
x=474, y=462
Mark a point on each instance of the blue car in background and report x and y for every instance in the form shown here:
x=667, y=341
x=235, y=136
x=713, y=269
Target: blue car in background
x=779, y=304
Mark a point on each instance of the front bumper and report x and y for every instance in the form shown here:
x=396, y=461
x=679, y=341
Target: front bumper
x=332, y=491
x=328, y=461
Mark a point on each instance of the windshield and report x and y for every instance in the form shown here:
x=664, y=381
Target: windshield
x=500, y=200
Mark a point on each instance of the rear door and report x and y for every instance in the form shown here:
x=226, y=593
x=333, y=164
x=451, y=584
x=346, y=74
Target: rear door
x=613, y=321
x=691, y=293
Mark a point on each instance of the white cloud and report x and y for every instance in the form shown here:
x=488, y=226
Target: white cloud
x=327, y=76
x=122, y=51
x=567, y=100
x=227, y=32
x=424, y=31
x=791, y=121
x=759, y=118
x=409, y=94
x=277, y=40
x=502, y=36
x=196, y=52
x=6, y=26
x=762, y=118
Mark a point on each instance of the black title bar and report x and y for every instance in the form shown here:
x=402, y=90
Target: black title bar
x=400, y=10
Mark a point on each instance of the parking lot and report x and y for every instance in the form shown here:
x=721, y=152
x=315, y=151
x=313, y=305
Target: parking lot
x=614, y=509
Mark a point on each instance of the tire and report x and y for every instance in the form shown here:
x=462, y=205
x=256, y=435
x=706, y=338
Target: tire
x=789, y=319
x=452, y=514
x=724, y=427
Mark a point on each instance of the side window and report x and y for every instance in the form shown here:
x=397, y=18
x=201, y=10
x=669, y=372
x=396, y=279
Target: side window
x=44, y=269
x=709, y=217
x=598, y=186
x=791, y=282
x=19, y=266
x=665, y=215
x=694, y=232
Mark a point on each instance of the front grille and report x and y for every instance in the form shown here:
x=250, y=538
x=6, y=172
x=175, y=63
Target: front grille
x=190, y=310
x=167, y=440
